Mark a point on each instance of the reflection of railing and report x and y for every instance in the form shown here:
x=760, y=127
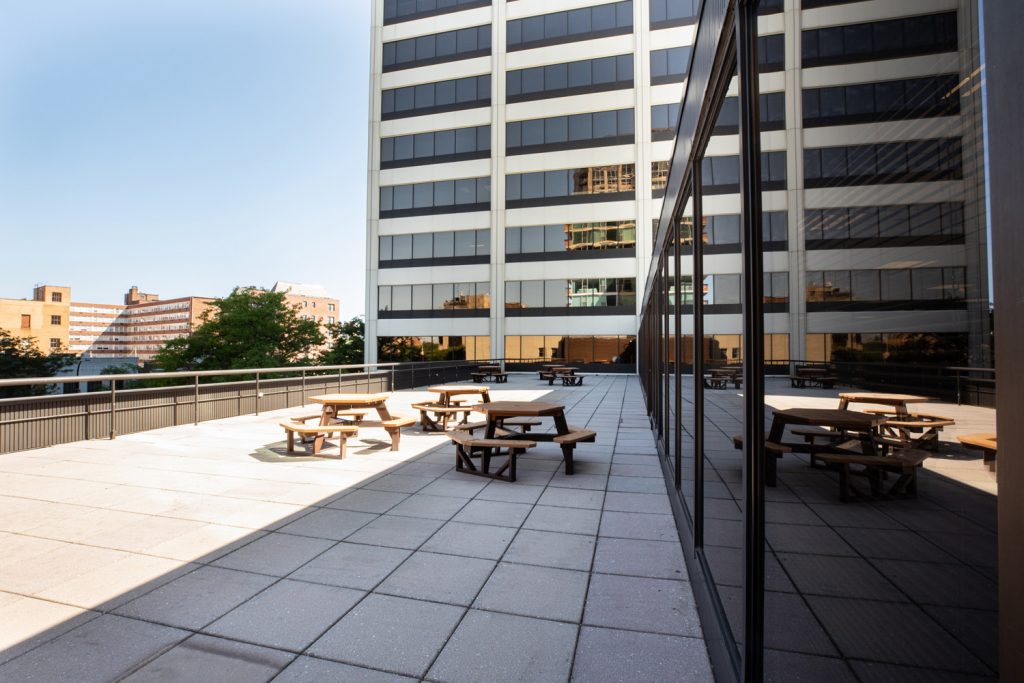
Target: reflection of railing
x=136, y=402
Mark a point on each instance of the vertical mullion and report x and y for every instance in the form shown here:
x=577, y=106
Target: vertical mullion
x=698, y=358
x=677, y=424
x=753, y=342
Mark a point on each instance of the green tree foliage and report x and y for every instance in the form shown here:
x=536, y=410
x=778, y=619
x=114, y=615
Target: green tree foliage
x=250, y=328
x=19, y=357
x=347, y=338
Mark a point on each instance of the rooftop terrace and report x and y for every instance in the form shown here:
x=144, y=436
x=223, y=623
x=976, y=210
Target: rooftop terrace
x=203, y=552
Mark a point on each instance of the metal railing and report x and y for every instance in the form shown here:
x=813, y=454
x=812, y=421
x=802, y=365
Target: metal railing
x=111, y=405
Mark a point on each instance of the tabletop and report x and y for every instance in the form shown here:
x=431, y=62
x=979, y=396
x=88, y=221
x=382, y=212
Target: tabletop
x=519, y=409
x=350, y=399
x=459, y=389
x=884, y=399
x=831, y=417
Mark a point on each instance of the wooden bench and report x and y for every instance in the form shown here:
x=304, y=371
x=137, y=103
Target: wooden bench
x=986, y=443
x=716, y=382
x=317, y=434
x=394, y=428
x=468, y=447
x=903, y=462
x=916, y=430
x=356, y=414
x=773, y=452
x=568, y=443
x=804, y=376
x=496, y=377
x=572, y=380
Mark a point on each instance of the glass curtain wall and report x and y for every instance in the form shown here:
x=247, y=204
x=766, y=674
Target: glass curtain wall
x=835, y=529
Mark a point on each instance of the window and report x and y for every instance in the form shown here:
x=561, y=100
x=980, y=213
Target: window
x=771, y=52
x=437, y=48
x=664, y=120
x=923, y=35
x=570, y=132
x=895, y=347
x=669, y=65
x=572, y=78
x=427, y=98
x=55, y=320
x=26, y=321
x=56, y=297
x=444, y=196
x=54, y=344
x=568, y=240
x=330, y=307
x=584, y=23
x=597, y=183
x=434, y=300
x=721, y=175
x=888, y=162
x=884, y=225
x=906, y=99
x=542, y=295
x=435, y=248
x=886, y=285
x=396, y=11
x=436, y=147
x=667, y=13
x=772, y=113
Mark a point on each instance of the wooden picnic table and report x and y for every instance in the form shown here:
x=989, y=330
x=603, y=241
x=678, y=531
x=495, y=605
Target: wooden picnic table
x=336, y=403
x=986, y=443
x=448, y=406
x=843, y=422
x=488, y=368
x=564, y=435
x=897, y=401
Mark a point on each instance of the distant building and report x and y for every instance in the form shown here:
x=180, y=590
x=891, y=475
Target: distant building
x=44, y=317
x=312, y=302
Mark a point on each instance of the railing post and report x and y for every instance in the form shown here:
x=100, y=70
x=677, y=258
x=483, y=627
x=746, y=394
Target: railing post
x=87, y=413
x=392, y=387
x=113, y=408
x=195, y=399
x=303, y=387
x=339, y=380
x=958, y=386
x=257, y=393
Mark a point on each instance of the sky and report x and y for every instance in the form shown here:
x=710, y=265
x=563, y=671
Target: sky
x=183, y=146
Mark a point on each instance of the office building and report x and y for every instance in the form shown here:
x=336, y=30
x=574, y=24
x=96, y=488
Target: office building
x=519, y=152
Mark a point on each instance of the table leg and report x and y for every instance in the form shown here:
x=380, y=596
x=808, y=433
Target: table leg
x=492, y=424
x=843, y=403
x=771, y=461
x=326, y=415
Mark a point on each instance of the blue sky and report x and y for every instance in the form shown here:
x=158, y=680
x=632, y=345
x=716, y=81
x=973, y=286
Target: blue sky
x=185, y=147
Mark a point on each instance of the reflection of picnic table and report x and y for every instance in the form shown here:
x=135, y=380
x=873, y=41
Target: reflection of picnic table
x=986, y=443
x=852, y=438
x=717, y=378
x=805, y=375
x=335, y=405
x=447, y=405
x=566, y=373
x=489, y=373
x=496, y=438
x=920, y=430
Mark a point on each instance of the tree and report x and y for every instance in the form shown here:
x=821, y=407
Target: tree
x=19, y=357
x=347, y=339
x=250, y=328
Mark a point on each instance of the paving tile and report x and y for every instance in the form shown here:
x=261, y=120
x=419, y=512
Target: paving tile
x=510, y=492
x=637, y=502
x=457, y=485
x=792, y=667
x=328, y=523
x=573, y=498
x=951, y=585
x=568, y=520
x=311, y=670
x=640, y=526
x=390, y=633
x=850, y=577
x=530, y=591
x=654, y=559
x=873, y=672
x=790, y=625
x=636, y=484
x=110, y=586
x=494, y=647
x=471, y=540
x=103, y=649
x=642, y=604
x=801, y=538
x=399, y=483
x=289, y=615
x=854, y=626
x=275, y=554
x=494, y=513
x=551, y=549
x=429, y=507
x=396, y=532
x=605, y=654
x=368, y=500
x=593, y=482
x=196, y=599
x=441, y=578
x=352, y=565
x=205, y=658
x=28, y=622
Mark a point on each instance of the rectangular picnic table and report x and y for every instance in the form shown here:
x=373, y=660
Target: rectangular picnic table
x=897, y=401
x=564, y=435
